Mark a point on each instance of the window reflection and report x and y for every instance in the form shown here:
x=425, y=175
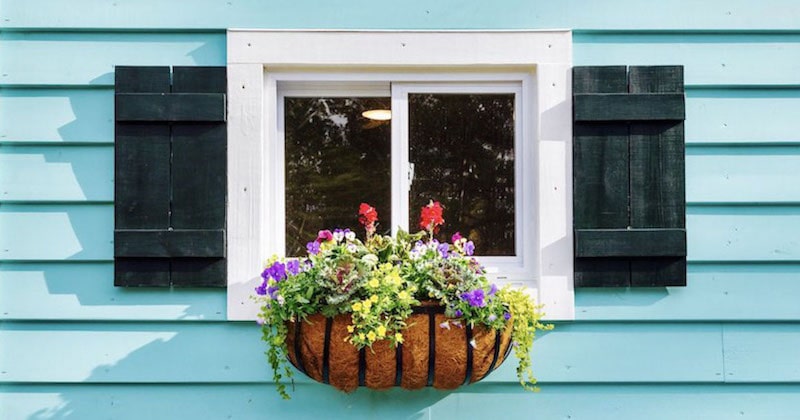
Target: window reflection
x=462, y=147
x=335, y=159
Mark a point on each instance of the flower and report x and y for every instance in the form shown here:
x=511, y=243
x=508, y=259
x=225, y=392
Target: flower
x=377, y=282
x=444, y=249
x=262, y=290
x=367, y=214
x=430, y=217
x=293, y=267
x=469, y=248
x=474, y=298
x=324, y=236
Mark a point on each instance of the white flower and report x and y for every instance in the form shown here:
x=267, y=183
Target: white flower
x=445, y=325
x=280, y=300
x=350, y=235
x=473, y=344
x=338, y=235
x=370, y=259
x=352, y=247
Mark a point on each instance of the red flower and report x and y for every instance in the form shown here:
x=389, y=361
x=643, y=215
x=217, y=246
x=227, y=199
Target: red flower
x=430, y=217
x=367, y=214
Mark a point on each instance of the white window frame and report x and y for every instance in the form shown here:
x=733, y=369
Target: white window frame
x=539, y=60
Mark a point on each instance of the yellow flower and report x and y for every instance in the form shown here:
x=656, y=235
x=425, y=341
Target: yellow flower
x=403, y=295
x=350, y=328
x=373, y=298
x=398, y=337
x=381, y=331
x=356, y=306
x=371, y=336
x=374, y=283
x=361, y=336
x=367, y=304
x=394, y=278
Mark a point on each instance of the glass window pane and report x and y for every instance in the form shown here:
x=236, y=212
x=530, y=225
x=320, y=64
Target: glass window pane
x=462, y=148
x=335, y=160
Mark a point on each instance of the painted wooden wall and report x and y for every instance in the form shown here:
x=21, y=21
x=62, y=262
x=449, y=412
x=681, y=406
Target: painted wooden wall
x=73, y=346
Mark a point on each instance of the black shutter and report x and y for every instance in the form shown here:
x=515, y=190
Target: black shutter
x=628, y=174
x=170, y=177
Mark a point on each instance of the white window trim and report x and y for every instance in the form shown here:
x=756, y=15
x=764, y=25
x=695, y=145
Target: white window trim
x=256, y=57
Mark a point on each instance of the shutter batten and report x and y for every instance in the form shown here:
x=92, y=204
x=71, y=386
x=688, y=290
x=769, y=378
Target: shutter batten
x=170, y=168
x=628, y=170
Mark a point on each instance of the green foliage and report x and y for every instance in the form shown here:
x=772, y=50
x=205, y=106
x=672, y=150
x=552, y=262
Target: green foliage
x=378, y=282
x=526, y=318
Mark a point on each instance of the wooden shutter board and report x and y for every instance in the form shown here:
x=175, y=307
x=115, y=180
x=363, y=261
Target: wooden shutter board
x=185, y=83
x=198, y=272
x=141, y=176
x=657, y=183
x=199, y=79
x=659, y=204
x=199, y=185
x=171, y=107
x=170, y=243
x=129, y=79
x=628, y=106
x=141, y=272
x=658, y=272
x=602, y=272
x=600, y=177
x=630, y=243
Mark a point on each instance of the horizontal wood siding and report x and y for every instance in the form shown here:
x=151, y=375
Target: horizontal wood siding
x=415, y=14
x=75, y=346
x=312, y=402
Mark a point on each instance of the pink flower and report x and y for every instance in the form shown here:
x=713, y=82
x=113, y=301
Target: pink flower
x=324, y=236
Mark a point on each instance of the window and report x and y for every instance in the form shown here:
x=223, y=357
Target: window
x=480, y=121
x=460, y=143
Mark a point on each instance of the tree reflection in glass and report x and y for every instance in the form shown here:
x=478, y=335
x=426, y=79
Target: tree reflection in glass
x=462, y=147
x=335, y=159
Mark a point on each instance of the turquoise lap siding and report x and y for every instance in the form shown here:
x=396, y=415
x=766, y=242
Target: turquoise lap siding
x=73, y=346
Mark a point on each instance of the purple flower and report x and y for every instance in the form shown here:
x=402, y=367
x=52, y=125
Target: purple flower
x=474, y=298
x=443, y=249
x=469, y=248
x=277, y=271
x=456, y=237
x=507, y=316
x=458, y=313
x=293, y=267
x=493, y=289
x=272, y=290
x=313, y=248
x=262, y=290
